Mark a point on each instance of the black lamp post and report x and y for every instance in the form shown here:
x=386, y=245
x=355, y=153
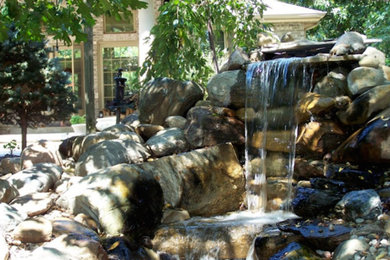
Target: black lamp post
x=119, y=93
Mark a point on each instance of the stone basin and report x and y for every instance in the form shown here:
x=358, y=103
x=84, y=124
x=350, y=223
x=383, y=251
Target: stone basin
x=219, y=237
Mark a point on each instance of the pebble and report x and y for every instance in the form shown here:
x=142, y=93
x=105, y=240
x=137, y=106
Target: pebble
x=384, y=242
x=359, y=220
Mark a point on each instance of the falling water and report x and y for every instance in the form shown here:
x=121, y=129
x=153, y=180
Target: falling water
x=272, y=90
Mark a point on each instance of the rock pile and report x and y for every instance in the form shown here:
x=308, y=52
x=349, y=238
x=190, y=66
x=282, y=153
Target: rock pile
x=105, y=195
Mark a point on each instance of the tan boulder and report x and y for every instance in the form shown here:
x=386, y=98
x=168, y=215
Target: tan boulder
x=41, y=152
x=33, y=230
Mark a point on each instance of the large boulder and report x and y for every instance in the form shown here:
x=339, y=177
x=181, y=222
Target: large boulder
x=227, y=89
x=120, y=199
x=205, y=182
x=371, y=101
x=109, y=153
x=167, y=142
x=236, y=60
x=40, y=178
x=209, y=126
x=368, y=145
x=364, y=204
x=318, y=138
x=312, y=104
x=176, y=97
x=332, y=85
x=10, y=165
x=41, y=152
x=7, y=192
x=372, y=57
x=364, y=78
x=81, y=143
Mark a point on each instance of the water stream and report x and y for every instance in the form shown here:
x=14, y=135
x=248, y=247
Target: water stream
x=272, y=90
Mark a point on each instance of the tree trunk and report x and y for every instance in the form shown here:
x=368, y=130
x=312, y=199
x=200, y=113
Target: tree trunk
x=212, y=44
x=89, y=88
x=23, y=126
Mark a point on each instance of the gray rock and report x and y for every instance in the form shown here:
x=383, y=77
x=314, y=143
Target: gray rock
x=227, y=89
x=368, y=103
x=347, y=249
x=9, y=217
x=109, y=153
x=7, y=192
x=364, y=78
x=10, y=165
x=34, y=204
x=311, y=202
x=175, y=121
x=364, y=204
x=332, y=85
x=131, y=136
x=118, y=128
x=205, y=182
x=40, y=178
x=119, y=198
x=175, y=97
x=81, y=143
x=70, y=247
x=236, y=60
x=67, y=226
x=41, y=152
x=33, y=230
x=167, y=142
x=349, y=43
x=372, y=57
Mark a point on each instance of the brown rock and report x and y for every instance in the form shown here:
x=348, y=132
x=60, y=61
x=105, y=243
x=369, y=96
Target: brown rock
x=312, y=104
x=371, y=101
x=209, y=126
x=10, y=165
x=148, y=130
x=318, y=138
x=33, y=230
x=370, y=144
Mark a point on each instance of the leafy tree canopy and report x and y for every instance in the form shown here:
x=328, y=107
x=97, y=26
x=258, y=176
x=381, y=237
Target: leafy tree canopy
x=61, y=18
x=371, y=17
x=32, y=87
x=181, y=47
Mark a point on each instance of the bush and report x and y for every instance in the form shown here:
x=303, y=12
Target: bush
x=76, y=119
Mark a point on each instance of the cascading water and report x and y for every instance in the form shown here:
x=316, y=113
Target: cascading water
x=272, y=90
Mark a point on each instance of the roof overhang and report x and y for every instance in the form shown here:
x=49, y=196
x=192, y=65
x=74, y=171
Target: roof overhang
x=280, y=12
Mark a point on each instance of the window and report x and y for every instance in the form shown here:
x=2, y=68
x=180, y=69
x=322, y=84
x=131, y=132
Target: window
x=118, y=24
x=65, y=59
x=114, y=58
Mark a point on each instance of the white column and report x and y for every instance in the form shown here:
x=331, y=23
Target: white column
x=146, y=20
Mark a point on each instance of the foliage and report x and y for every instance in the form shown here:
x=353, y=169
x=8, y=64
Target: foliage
x=11, y=145
x=61, y=18
x=181, y=48
x=77, y=119
x=370, y=17
x=32, y=87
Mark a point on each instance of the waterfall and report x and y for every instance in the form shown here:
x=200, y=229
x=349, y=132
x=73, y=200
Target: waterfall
x=272, y=88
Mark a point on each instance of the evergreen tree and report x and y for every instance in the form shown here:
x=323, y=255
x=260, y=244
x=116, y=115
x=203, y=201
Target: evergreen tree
x=32, y=87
